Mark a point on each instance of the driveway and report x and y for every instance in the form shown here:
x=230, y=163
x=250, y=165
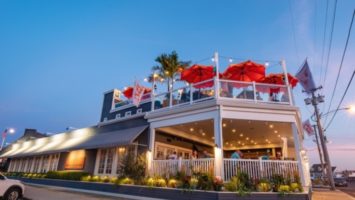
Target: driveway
x=54, y=193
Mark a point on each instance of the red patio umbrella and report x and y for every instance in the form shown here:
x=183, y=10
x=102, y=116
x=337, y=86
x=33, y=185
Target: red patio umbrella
x=278, y=79
x=128, y=92
x=247, y=71
x=198, y=73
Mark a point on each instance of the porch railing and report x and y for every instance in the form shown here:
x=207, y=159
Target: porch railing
x=258, y=169
x=165, y=168
x=225, y=89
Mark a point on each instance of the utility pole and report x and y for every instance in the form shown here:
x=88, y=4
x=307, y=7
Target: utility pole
x=319, y=149
x=315, y=100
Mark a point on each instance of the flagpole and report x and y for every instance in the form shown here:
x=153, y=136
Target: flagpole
x=290, y=94
x=3, y=139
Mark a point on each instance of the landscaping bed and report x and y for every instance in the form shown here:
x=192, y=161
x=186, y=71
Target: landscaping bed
x=165, y=193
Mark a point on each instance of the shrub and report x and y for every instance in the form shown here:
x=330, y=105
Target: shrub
x=193, y=183
x=173, y=183
x=150, y=182
x=113, y=179
x=86, y=178
x=263, y=187
x=95, y=179
x=205, y=181
x=104, y=179
x=296, y=187
x=66, y=175
x=284, y=189
x=160, y=182
x=127, y=181
x=133, y=167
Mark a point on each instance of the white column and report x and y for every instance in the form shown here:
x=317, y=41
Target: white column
x=97, y=162
x=150, y=152
x=284, y=147
x=298, y=148
x=218, y=149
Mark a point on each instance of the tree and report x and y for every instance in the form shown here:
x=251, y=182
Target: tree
x=168, y=68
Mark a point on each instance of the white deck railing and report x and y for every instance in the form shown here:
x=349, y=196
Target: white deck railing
x=258, y=169
x=225, y=89
x=165, y=168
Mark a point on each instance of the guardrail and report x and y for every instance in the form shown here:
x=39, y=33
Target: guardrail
x=257, y=169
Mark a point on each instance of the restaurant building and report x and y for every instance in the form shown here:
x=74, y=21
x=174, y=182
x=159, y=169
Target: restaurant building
x=214, y=117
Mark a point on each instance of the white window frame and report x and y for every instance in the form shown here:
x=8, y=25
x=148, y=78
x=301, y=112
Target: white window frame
x=169, y=146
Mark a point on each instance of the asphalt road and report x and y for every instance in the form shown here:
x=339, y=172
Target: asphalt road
x=349, y=190
x=45, y=193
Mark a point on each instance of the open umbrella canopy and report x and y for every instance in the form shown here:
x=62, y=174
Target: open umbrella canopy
x=277, y=79
x=247, y=71
x=128, y=92
x=198, y=73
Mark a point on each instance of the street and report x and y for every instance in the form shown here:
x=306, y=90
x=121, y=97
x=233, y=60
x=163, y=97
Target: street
x=349, y=190
x=45, y=193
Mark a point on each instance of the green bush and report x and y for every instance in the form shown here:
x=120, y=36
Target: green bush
x=66, y=175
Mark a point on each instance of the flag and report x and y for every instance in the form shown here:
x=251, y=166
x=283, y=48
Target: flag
x=305, y=77
x=308, y=127
x=4, y=134
x=138, y=92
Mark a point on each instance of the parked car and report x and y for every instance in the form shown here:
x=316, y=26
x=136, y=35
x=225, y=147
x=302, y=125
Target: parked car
x=341, y=182
x=11, y=189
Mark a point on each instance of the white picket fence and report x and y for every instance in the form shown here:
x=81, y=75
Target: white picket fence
x=165, y=168
x=259, y=168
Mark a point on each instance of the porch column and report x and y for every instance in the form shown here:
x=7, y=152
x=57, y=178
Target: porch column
x=150, y=151
x=299, y=154
x=218, y=149
x=284, y=147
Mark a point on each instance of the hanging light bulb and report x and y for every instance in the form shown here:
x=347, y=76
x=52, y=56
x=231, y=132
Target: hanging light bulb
x=145, y=79
x=230, y=60
x=267, y=64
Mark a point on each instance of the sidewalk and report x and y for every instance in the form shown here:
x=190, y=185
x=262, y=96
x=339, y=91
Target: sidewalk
x=326, y=194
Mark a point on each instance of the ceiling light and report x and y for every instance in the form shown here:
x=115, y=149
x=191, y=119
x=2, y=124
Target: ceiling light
x=271, y=126
x=227, y=142
x=247, y=138
x=191, y=129
x=241, y=135
x=279, y=136
x=233, y=130
x=203, y=134
x=212, y=138
x=252, y=141
x=266, y=140
x=239, y=142
x=275, y=131
x=224, y=125
x=255, y=143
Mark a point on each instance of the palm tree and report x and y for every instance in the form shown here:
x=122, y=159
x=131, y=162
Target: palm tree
x=168, y=68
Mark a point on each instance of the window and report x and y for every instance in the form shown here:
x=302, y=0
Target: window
x=128, y=113
x=118, y=115
x=162, y=151
x=121, y=152
x=54, y=162
x=36, y=164
x=109, y=160
x=139, y=110
x=102, y=161
x=30, y=165
x=45, y=163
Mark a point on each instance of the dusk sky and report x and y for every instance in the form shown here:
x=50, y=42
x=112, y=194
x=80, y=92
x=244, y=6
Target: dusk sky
x=57, y=58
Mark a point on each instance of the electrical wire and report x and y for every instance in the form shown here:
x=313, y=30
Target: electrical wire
x=341, y=64
x=330, y=42
x=341, y=101
x=323, y=44
x=293, y=30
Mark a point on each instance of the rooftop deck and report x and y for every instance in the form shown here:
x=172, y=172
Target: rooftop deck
x=213, y=89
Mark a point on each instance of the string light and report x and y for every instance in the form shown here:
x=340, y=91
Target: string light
x=145, y=79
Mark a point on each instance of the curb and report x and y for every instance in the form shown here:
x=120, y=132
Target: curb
x=108, y=194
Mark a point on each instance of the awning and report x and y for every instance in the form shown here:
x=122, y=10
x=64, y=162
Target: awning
x=86, y=138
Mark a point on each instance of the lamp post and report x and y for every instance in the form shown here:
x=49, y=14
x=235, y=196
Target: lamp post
x=4, y=134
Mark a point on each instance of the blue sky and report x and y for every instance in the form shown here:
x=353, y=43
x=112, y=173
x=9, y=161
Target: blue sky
x=58, y=57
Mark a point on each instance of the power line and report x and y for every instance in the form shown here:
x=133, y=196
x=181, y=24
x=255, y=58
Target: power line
x=293, y=30
x=341, y=101
x=323, y=44
x=330, y=42
x=341, y=63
